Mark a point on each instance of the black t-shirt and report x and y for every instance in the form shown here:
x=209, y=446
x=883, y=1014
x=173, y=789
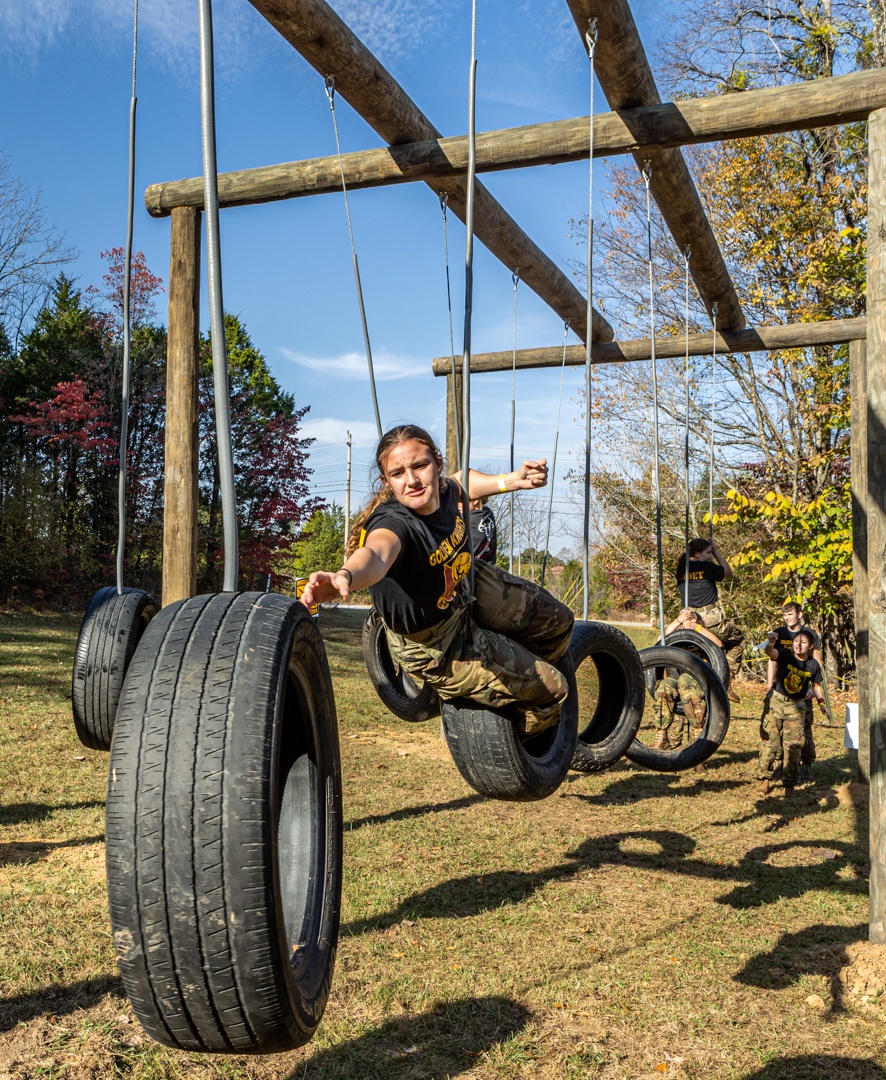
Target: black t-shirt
x=484, y=538
x=703, y=578
x=435, y=556
x=786, y=636
x=793, y=677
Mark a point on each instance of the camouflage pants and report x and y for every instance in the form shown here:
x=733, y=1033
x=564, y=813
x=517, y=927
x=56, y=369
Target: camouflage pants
x=687, y=692
x=499, y=651
x=713, y=618
x=808, y=755
x=781, y=738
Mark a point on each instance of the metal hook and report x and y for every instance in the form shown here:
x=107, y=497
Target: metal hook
x=330, y=88
x=591, y=37
x=515, y=277
x=687, y=254
x=646, y=171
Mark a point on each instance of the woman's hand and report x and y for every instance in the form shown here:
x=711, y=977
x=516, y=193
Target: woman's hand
x=323, y=588
x=532, y=474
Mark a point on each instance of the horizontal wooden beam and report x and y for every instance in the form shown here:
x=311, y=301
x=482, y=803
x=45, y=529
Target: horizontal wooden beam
x=626, y=78
x=818, y=103
x=327, y=43
x=750, y=339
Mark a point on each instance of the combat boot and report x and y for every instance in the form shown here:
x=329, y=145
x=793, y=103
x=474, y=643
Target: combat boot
x=661, y=740
x=765, y=787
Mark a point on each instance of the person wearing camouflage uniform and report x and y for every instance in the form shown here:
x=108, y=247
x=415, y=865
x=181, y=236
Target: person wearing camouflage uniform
x=670, y=693
x=782, y=728
x=497, y=645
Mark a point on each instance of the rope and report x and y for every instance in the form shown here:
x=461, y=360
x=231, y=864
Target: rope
x=444, y=205
x=591, y=42
x=711, y=444
x=647, y=176
x=127, y=318
x=515, y=277
x=216, y=306
x=553, y=472
x=686, y=256
x=330, y=94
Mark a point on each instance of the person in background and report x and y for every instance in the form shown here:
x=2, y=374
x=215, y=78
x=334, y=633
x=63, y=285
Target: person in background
x=699, y=593
x=793, y=622
x=680, y=689
x=484, y=536
x=781, y=731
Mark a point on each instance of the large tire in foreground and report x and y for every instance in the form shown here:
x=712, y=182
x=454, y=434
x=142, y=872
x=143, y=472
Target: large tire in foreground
x=111, y=629
x=618, y=710
x=716, y=720
x=704, y=649
x=224, y=826
x=499, y=763
x=400, y=693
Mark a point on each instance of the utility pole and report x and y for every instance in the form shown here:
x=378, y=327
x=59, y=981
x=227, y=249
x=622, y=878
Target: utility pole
x=348, y=492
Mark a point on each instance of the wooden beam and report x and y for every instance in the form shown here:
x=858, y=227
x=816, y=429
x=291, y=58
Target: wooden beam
x=626, y=78
x=875, y=507
x=181, y=448
x=326, y=42
x=819, y=103
x=858, y=441
x=751, y=339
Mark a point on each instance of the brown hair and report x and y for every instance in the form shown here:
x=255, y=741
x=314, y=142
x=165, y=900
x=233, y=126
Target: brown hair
x=695, y=546
x=381, y=491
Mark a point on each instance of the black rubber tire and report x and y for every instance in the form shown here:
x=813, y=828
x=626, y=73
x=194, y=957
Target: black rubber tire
x=400, y=693
x=616, y=719
x=224, y=826
x=497, y=762
x=716, y=719
x=111, y=629
x=704, y=649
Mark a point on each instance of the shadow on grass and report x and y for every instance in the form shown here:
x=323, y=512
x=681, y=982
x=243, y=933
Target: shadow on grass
x=647, y=785
x=408, y=812
x=810, y=1067
x=22, y=852
x=58, y=1000
x=756, y=882
x=22, y=813
x=446, y=1041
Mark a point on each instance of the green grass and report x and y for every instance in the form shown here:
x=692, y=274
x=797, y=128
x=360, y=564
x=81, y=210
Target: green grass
x=634, y=924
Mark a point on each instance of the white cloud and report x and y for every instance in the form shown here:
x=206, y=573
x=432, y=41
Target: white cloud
x=393, y=29
x=352, y=365
x=333, y=431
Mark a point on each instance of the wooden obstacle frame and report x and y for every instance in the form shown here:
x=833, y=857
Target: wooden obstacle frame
x=641, y=125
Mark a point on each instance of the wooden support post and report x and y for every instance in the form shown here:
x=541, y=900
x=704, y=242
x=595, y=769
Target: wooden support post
x=858, y=461
x=876, y=512
x=453, y=420
x=181, y=451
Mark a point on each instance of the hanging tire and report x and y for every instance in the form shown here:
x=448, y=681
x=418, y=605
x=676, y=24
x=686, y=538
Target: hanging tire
x=704, y=649
x=400, y=693
x=224, y=826
x=111, y=629
x=618, y=710
x=499, y=763
x=656, y=659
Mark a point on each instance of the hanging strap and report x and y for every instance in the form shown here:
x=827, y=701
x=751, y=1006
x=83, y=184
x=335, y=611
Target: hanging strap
x=515, y=277
x=330, y=94
x=647, y=177
x=456, y=404
x=216, y=305
x=686, y=256
x=553, y=472
x=591, y=42
x=711, y=443
x=127, y=317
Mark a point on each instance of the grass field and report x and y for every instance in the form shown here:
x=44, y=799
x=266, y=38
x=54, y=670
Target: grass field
x=633, y=925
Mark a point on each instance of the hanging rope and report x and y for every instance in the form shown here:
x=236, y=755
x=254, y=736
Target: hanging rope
x=469, y=278
x=591, y=42
x=216, y=305
x=686, y=256
x=330, y=94
x=127, y=318
x=444, y=206
x=553, y=472
x=515, y=277
x=647, y=177
x=711, y=444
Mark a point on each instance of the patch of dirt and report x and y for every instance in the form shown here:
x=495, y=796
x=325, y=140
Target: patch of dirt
x=860, y=971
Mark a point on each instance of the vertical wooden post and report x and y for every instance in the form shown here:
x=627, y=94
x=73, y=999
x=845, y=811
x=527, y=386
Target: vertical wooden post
x=453, y=421
x=876, y=511
x=858, y=438
x=181, y=450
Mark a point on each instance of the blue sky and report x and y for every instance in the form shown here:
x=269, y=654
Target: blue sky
x=65, y=81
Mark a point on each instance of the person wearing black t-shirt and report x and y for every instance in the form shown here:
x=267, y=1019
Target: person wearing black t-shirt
x=781, y=731
x=484, y=535
x=410, y=548
x=699, y=593
x=793, y=622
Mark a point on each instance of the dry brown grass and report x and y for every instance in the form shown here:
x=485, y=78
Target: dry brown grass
x=633, y=925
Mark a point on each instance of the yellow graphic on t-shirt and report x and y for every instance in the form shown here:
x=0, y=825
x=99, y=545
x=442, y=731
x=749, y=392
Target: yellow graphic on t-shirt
x=794, y=680
x=449, y=545
x=453, y=572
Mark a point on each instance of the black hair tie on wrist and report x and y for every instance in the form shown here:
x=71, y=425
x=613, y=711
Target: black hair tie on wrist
x=345, y=570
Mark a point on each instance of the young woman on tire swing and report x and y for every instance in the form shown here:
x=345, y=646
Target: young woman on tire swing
x=679, y=687
x=410, y=548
